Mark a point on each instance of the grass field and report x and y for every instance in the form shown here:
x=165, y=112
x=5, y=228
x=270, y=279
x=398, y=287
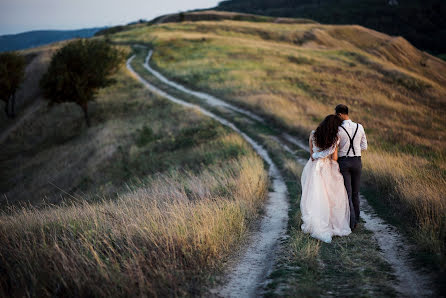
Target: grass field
x=294, y=74
x=149, y=201
x=307, y=267
x=154, y=198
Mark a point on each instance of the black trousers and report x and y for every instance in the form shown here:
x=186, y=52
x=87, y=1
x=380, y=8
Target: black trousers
x=350, y=168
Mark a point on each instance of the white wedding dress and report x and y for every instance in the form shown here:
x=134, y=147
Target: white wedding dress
x=324, y=202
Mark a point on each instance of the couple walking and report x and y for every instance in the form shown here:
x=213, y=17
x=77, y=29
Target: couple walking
x=331, y=177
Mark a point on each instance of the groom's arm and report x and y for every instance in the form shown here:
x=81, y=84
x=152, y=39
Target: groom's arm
x=363, y=139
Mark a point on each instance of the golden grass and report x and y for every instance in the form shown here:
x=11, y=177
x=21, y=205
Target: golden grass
x=416, y=191
x=294, y=74
x=155, y=240
x=141, y=214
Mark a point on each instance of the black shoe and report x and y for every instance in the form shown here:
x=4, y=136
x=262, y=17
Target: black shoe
x=353, y=227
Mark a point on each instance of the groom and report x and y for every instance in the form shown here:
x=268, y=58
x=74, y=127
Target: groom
x=352, y=141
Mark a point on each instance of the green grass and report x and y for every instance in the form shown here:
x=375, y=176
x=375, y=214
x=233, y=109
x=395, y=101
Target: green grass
x=122, y=116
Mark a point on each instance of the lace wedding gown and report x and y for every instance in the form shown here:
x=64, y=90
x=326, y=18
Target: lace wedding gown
x=324, y=203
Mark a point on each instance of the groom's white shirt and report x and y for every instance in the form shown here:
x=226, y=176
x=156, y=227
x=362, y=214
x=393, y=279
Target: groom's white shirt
x=359, y=142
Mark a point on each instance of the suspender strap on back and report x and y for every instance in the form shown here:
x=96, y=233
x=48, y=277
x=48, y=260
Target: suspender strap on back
x=351, y=139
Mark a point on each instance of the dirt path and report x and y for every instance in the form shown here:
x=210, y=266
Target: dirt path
x=394, y=248
x=255, y=262
x=210, y=100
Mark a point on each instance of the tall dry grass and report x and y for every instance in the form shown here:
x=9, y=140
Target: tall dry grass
x=155, y=198
x=415, y=192
x=160, y=239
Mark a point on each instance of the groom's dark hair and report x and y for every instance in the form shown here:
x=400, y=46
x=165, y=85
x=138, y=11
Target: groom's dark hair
x=341, y=109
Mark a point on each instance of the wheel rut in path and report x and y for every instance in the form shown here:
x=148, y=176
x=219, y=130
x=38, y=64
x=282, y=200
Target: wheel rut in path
x=394, y=247
x=256, y=260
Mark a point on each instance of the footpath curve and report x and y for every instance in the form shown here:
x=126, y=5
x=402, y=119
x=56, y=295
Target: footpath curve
x=395, y=249
x=256, y=260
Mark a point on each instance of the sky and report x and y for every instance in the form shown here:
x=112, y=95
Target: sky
x=25, y=15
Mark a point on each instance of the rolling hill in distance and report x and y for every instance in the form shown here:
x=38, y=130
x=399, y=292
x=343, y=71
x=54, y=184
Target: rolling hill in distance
x=30, y=39
x=154, y=189
x=423, y=23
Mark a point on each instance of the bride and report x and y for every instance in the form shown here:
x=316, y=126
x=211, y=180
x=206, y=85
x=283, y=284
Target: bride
x=324, y=203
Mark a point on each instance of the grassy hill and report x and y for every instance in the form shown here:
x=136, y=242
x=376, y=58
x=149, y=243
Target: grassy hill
x=30, y=39
x=153, y=198
x=420, y=22
x=294, y=74
x=150, y=191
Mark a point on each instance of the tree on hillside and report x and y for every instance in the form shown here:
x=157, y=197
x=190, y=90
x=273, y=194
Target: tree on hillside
x=78, y=70
x=12, y=73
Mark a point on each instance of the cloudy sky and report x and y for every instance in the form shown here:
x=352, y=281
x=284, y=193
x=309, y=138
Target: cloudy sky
x=25, y=15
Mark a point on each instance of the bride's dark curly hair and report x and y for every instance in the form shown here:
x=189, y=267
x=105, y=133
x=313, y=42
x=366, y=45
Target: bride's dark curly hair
x=326, y=133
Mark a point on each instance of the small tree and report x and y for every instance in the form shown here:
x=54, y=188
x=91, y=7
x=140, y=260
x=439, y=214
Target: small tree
x=78, y=70
x=12, y=73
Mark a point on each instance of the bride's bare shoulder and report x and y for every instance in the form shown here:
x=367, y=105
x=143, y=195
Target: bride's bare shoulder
x=312, y=134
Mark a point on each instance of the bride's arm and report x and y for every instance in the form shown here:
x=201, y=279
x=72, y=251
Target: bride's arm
x=334, y=156
x=311, y=149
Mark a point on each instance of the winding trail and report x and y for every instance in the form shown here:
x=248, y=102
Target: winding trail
x=256, y=261
x=247, y=275
x=210, y=100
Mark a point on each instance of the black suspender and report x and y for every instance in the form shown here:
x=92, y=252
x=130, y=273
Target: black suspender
x=351, y=139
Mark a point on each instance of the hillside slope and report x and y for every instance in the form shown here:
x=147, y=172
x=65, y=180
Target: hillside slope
x=294, y=74
x=421, y=22
x=154, y=197
x=123, y=208
x=28, y=96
